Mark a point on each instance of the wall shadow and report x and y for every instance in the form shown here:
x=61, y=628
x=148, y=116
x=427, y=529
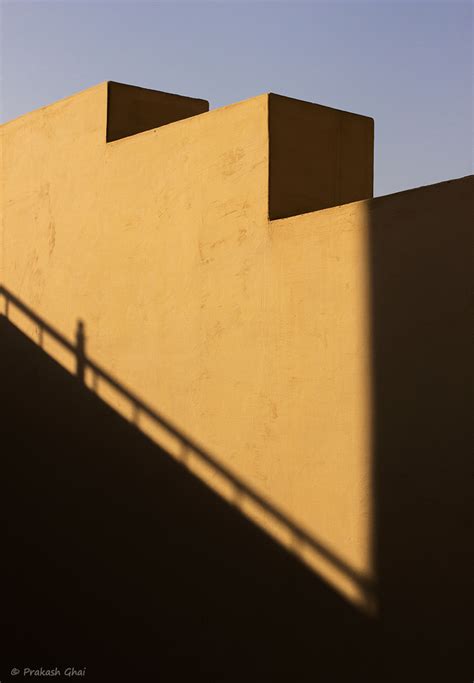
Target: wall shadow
x=120, y=560
x=242, y=491
x=420, y=260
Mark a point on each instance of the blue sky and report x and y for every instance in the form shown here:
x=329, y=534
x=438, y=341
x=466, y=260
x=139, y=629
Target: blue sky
x=406, y=63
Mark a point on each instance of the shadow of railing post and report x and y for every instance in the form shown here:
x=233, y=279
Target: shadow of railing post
x=80, y=351
x=242, y=491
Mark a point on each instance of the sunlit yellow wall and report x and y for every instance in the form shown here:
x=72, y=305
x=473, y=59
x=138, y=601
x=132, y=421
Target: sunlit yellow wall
x=251, y=335
x=318, y=377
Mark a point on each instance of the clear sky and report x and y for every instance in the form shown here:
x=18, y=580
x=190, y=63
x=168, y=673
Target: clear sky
x=408, y=64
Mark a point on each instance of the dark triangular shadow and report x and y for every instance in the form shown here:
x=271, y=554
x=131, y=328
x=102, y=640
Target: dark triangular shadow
x=122, y=561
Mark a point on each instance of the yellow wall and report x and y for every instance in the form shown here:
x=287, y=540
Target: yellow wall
x=252, y=336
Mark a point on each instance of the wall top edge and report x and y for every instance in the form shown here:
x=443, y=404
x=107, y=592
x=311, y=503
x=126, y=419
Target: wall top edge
x=153, y=90
x=104, y=85
x=372, y=201
x=272, y=95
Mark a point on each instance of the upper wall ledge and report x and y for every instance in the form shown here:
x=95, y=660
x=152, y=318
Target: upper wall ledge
x=318, y=157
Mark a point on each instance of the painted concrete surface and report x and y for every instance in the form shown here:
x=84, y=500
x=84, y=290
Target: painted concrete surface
x=132, y=110
x=254, y=336
x=319, y=157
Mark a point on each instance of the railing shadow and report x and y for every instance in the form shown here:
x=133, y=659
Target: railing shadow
x=300, y=538
x=121, y=560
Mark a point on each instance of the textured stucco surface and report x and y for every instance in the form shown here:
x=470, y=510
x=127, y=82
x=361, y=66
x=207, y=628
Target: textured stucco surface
x=132, y=110
x=319, y=157
x=252, y=336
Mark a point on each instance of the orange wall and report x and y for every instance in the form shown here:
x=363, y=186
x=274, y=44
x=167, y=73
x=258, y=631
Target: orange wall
x=254, y=336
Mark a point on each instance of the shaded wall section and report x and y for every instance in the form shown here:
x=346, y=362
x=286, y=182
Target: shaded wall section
x=119, y=560
x=421, y=283
x=132, y=110
x=319, y=157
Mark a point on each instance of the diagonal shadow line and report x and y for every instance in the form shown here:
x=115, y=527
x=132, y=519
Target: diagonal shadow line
x=300, y=535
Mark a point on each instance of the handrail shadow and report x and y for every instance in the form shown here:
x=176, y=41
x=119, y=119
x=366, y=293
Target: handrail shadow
x=241, y=489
